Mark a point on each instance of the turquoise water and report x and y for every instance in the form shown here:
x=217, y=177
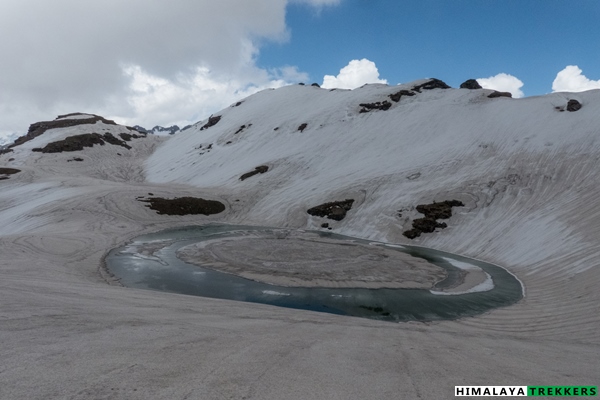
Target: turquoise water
x=165, y=272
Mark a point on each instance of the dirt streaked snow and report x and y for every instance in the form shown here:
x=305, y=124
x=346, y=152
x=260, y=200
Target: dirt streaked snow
x=526, y=172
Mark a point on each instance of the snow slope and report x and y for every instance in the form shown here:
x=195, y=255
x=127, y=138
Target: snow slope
x=437, y=145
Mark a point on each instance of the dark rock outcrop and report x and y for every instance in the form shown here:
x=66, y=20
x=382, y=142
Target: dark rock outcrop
x=496, y=93
x=212, y=121
x=184, y=206
x=242, y=128
x=335, y=210
x=79, y=142
x=316, y=85
x=470, y=84
x=302, y=127
x=573, y=105
x=432, y=212
x=5, y=172
x=396, y=96
x=128, y=136
x=261, y=169
x=378, y=105
x=431, y=84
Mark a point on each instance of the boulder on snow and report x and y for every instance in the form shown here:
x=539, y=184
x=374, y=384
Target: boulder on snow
x=4, y=172
x=261, y=169
x=432, y=212
x=335, y=210
x=184, y=206
x=573, y=105
x=211, y=122
x=470, y=84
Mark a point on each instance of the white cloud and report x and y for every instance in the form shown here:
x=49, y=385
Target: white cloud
x=571, y=79
x=353, y=75
x=503, y=83
x=191, y=97
x=127, y=57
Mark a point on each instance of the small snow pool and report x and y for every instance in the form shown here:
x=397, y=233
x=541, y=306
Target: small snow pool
x=150, y=262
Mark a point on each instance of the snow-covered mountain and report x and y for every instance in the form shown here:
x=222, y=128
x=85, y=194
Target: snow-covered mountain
x=505, y=158
x=161, y=130
x=525, y=169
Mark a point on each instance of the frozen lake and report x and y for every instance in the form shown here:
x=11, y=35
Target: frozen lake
x=150, y=262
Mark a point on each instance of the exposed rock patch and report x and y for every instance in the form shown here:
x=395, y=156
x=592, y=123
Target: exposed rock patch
x=212, y=121
x=241, y=129
x=396, y=96
x=470, y=84
x=573, y=105
x=335, y=210
x=431, y=84
x=4, y=172
x=261, y=169
x=128, y=136
x=302, y=127
x=206, y=149
x=496, y=93
x=433, y=212
x=79, y=142
x=184, y=206
x=385, y=105
x=378, y=105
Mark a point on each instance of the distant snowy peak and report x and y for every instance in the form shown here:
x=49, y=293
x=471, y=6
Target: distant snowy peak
x=6, y=140
x=160, y=130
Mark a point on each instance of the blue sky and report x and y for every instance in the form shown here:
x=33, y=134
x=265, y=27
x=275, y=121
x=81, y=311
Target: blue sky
x=178, y=61
x=452, y=40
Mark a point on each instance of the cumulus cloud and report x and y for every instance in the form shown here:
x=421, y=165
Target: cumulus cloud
x=353, y=75
x=191, y=97
x=571, y=79
x=128, y=58
x=503, y=83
